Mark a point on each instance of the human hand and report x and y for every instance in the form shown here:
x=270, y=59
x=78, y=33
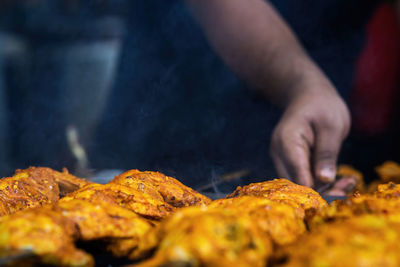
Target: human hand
x=306, y=142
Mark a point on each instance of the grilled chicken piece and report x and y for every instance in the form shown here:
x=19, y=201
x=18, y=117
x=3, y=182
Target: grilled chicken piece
x=27, y=189
x=282, y=190
x=366, y=241
x=102, y=220
x=279, y=220
x=381, y=203
x=43, y=236
x=33, y=187
x=66, y=181
x=142, y=199
x=389, y=190
x=389, y=172
x=174, y=192
x=48, y=233
x=111, y=223
x=201, y=236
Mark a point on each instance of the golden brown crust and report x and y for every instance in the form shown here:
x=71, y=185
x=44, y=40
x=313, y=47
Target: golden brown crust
x=110, y=222
x=102, y=219
x=45, y=234
x=389, y=171
x=367, y=240
x=28, y=188
x=384, y=202
x=174, y=192
x=200, y=236
x=282, y=190
x=34, y=187
x=68, y=182
x=142, y=199
x=356, y=206
x=389, y=190
x=279, y=220
x=50, y=232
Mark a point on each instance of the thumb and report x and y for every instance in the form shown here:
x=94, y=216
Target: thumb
x=325, y=154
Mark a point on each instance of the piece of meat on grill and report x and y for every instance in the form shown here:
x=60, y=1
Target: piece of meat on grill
x=368, y=240
x=108, y=222
x=143, y=199
x=133, y=248
x=388, y=207
x=201, y=236
x=48, y=233
x=66, y=181
x=279, y=220
x=174, y=192
x=300, y=197
x=40, y=236
x=389, y=190
x=35, y=186
x=102, y=220
x=389, y=171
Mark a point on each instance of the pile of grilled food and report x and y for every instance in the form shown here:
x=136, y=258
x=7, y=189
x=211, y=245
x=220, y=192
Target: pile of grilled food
x=154, y=220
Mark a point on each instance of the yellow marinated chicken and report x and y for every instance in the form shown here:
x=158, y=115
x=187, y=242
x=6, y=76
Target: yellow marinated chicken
x=110, y=222
x=279, y=220
x=201, y=236
x=174, y=192
x=389, y=172
x=43, y=236
x=142, y=199
x=66, y=181
x=363, y=241
x=132, y=248
x=102, y=220
x=389, y=190
x=49, y=233
x=359, y=205
x=282, y=190
x=34, y=187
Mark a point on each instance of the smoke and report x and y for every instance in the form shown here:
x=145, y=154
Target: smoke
x=173, y=107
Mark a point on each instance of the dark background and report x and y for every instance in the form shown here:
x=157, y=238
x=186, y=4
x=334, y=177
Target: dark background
x=173, y=106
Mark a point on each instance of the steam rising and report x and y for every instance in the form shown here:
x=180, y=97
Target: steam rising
x=174, y=107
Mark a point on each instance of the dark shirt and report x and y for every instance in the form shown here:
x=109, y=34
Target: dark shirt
x=332, y=32
x=182, y=111
x=175, y=106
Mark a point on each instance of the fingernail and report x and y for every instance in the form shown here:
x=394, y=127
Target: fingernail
x=327, y=174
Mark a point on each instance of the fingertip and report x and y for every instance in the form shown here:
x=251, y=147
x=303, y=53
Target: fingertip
x=326, y=174
x=335, y=192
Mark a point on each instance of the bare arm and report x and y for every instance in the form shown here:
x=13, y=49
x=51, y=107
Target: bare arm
x=257, y=44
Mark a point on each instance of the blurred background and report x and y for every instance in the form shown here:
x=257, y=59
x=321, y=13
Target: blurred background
x=101, y=85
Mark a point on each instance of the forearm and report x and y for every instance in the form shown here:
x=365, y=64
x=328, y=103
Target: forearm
x=257, y=44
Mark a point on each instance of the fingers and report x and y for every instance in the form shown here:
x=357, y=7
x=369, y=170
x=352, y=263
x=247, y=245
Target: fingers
x=290, y=151
x=343, y=186
x=328, y=142
x=312, y=128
